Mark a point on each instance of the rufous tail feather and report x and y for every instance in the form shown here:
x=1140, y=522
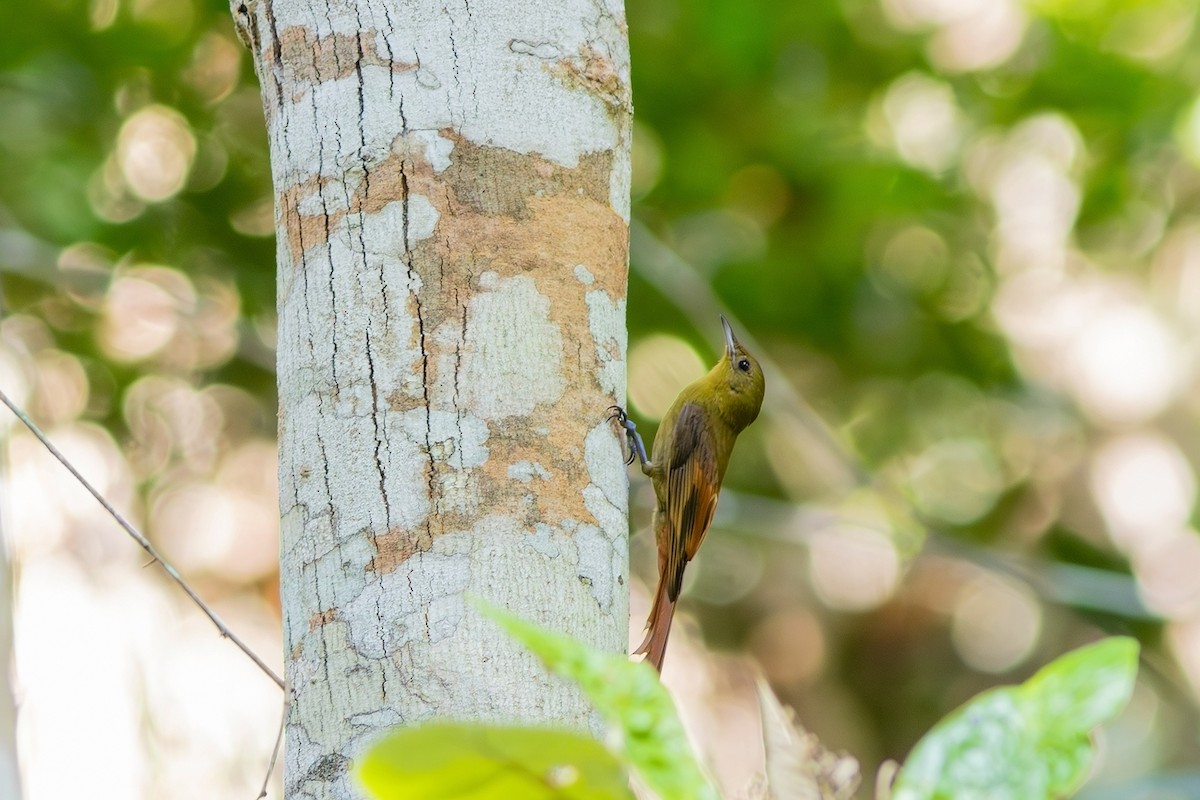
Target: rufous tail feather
x=658, y=628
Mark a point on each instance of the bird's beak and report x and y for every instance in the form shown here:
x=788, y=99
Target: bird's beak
x=730, y=339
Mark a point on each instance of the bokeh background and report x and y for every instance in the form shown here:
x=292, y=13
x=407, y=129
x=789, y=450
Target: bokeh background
x=963, y=235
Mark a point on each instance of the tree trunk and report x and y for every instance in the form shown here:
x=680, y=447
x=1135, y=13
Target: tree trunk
x=452, y=218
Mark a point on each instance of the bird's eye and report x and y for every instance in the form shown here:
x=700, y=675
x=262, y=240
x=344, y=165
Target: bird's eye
x=744, y=365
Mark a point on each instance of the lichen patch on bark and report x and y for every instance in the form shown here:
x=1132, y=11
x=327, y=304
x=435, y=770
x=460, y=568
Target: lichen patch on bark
x=428, y=604
x=424, y=146
x=606, y=322
x=514, y=356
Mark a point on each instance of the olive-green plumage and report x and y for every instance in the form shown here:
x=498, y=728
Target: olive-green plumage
x=691, y=452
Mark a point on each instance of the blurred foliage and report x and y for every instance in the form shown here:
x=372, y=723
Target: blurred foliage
x=965, y=232
x=629, y=696
x=1024, y=742
x=442, y=760
x=1027, y=742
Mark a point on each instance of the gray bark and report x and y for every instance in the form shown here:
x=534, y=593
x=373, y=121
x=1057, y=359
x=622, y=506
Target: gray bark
x=452, y=219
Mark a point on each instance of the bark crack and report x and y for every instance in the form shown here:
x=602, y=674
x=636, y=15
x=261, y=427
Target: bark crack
x=322, y=397
x=391, y=59
x=474, y=84
x=458, y=347
x=405, y=193
x=276, y=52
x=358, y=246
x=431, y=477
x=362, y=114
x=303, y=266
x=325, y=477
x=379, y=435
x=326, y=224
x=320, y=603
x=454, y=60
x=325, y=217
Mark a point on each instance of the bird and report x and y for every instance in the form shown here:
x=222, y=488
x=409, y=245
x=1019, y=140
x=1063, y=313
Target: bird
x=691, y=451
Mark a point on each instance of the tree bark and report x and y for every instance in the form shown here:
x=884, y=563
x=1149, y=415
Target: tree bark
x=452, y=218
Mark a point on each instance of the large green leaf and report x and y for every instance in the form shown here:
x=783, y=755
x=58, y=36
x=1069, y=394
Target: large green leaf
x=631, y=698
x=1024, y=742
x=447, y=761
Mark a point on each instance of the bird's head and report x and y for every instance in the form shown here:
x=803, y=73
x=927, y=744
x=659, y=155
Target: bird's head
x=741, y=382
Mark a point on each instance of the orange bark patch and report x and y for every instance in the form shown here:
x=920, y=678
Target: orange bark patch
x=400, y=401
x=302, y=230
x=522, y=215
x=308, y=60
x=594, y=71
x=322, y=618
x=391, y=550
x=524, y=178
x=514, y=215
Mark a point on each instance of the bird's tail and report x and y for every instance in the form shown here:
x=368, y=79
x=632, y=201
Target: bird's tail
x=658, y=627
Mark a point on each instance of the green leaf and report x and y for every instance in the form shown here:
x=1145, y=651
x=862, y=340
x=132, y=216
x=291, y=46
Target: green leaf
x=1085, y=687
x=447, y=761
x=1024, y=742
x=632, y=699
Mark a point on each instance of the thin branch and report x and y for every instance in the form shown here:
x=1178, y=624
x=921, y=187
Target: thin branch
x=172, y=573
x=287, y=703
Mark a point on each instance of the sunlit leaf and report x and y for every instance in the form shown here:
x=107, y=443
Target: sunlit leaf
x=1024, y=742
x=1085, y=687
x=631, y=698
x=446, y=761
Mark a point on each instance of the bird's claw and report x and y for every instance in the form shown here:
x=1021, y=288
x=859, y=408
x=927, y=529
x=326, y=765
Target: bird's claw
x=632, y=438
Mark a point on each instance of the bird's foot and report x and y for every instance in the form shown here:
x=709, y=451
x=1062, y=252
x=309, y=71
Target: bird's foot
x=632, y=437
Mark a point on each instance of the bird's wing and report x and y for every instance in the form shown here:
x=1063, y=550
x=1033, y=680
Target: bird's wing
x=692, y=487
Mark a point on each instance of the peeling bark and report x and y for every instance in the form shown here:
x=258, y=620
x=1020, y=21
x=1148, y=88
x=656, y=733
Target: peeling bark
x=452, y=221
